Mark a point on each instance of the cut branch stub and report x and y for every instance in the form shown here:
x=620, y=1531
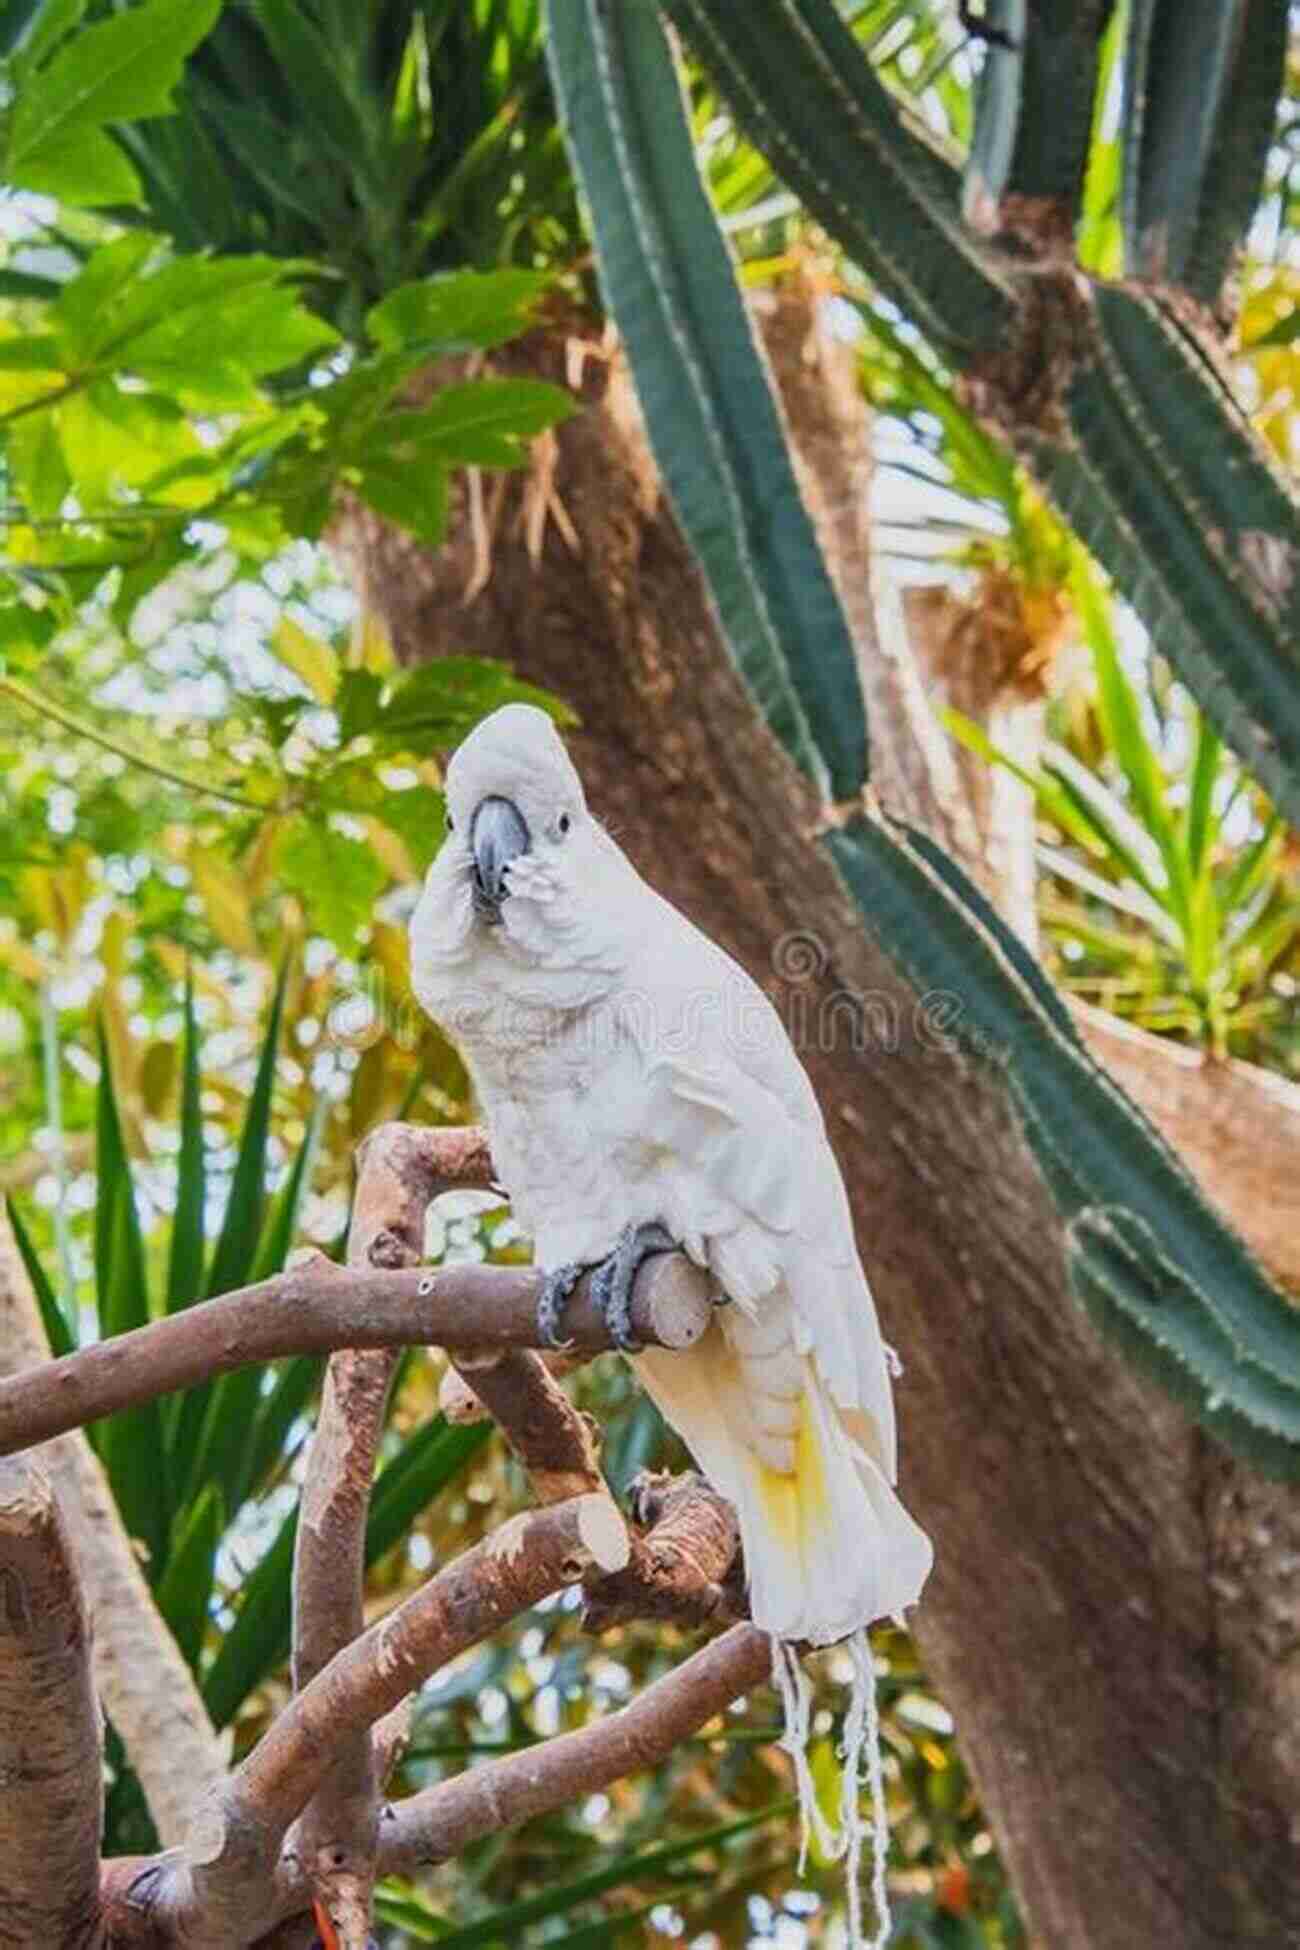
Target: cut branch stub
x=687, y=1567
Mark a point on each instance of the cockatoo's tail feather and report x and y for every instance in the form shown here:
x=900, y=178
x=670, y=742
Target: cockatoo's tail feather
x=828, y=1545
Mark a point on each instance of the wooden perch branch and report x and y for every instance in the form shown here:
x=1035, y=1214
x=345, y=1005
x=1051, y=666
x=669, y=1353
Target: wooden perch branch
x=50, y=1764
x=223, y=1890
x=401, y=1168
x=440, y=1821
x=317, y=1308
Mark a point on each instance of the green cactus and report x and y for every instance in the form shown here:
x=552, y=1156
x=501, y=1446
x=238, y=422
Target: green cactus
x=1115, y=404
x=1141, y=441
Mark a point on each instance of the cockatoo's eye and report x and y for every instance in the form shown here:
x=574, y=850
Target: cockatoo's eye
x=565, y=822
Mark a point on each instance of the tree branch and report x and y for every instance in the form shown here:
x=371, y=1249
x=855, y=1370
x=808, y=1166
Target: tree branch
x=145, y=1684
x=317, y=1308
x=441, y=1821
x=401, y=1168
x=688, y=1568
x=50, y=1761
x=223, y=1889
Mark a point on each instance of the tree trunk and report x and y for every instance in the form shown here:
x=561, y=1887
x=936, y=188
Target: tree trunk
x=1113, y=1616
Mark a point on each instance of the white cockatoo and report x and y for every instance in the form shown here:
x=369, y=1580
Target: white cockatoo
x=640, y=1090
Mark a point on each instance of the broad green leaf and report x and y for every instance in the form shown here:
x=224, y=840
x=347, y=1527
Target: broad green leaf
x=471, y=308
x=114, y=440
x=440, y=702
x=411, y=493
x=60, y=1330
x=185, y=1592
x=86, y=313
x=481, y=423
x=37, y=468
x=337, y=878
x=87, y=169
x=358, y=703
x=115, y=71
x=418, y=817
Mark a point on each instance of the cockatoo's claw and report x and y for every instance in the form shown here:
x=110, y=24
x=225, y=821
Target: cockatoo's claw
x=613, y=1280
x=556, y=1288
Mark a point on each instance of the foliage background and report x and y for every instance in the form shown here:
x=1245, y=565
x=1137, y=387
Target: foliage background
x=222, y=309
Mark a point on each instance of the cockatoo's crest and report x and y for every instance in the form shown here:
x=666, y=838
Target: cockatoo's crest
x=516, y=755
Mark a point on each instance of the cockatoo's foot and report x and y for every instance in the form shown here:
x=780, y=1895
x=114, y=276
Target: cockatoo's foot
x=611, y=1286
x=556, y=1288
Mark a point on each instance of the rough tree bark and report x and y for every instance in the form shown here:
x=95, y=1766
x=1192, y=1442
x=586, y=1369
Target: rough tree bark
x=1113, y=1613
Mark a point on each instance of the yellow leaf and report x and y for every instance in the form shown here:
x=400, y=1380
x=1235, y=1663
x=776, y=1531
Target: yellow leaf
x=225, y=901
x=389, y=850
x=371, y=649
x=24, y=961
x=308, y=658
x=157, y=1077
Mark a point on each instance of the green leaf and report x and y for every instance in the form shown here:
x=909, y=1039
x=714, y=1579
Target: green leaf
x=441, y=701
x=413, y=496
x=115, y=70
x=280, y=1407
x=480, y=423
x=337, y=878
x=60, y=1330
x=358, y=703
x=85, y=315
x=131, y=1443
x=418, y=817
x=282, y=1219
x=670, y=284
x=1201, y=824
x=185, y=1592
x=452, y=314
x=87, y=169
x=1122, y=721
x=212, y=1426
x=37, y=468
x=114, y=440
x=185, y=1264
x=258, y=1642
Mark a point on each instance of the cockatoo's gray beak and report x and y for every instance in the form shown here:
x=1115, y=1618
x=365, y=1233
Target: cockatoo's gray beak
x=498, y=835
